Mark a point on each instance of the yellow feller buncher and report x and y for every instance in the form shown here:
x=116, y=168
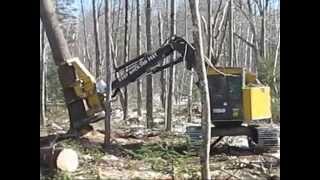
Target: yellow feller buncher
x=237, y=100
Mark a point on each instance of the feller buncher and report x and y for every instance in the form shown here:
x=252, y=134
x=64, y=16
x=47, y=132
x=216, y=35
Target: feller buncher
x=237, y=100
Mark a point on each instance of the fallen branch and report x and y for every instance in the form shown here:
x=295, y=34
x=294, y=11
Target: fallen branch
x=233, y=175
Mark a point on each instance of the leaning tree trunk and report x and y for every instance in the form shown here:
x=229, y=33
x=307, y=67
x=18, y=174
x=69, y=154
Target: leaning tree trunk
x=126, y=54
x=61, y=53
x=108, y=108
x=139, y=83
x=149, y=99
x=172, y=68
x=96, y=38
x=201, y=71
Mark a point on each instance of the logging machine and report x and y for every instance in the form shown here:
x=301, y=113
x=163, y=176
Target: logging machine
x=236, y=99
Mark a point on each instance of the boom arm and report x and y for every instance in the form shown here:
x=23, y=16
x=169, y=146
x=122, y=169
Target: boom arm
x=150, y=62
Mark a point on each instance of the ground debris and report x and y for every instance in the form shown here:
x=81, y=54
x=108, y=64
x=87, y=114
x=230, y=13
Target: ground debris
x=139, y=153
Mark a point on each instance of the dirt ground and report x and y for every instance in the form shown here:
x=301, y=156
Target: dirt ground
x=161, y=155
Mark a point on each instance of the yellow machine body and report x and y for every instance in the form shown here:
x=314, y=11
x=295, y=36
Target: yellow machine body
x=254, y=99
x=256, y=103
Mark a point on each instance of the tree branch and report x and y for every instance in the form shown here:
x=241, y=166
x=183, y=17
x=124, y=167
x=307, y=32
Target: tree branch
x=244, y=40
x=205, y=25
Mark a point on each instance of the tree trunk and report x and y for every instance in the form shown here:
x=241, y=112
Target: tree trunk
x=231, y=32
x=190, y=85
x=168, y=18
x=201, y=71
x=61, y=53
x=251, y=54
x=139, y=84
x=85, y=38
x=172, y=68
x=63, y=159
x=43, y=80
x=108, y=106
x=126, y=54
x=209, y=30
x=263, y=35
x=246, y=49
x=163, y=74
x=149, y=98
x=190, y=97
x=276, y=60
x=114, y=53
x=96, y=38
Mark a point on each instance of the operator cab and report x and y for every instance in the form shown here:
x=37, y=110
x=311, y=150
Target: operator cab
x=226, y=96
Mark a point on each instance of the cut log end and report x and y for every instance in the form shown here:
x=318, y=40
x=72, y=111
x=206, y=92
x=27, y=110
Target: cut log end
x=67, y=160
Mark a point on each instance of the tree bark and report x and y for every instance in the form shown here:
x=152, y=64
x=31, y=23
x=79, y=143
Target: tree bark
x=126, y=54
x=203, y=85
x=276, y=60
x=149, y=90
x=163, y=74
x=246, y=49
x=96, y=38
x=190, y=85
x=58, y=44
x=231, y=33
x=139, y=84
x=108, y=107
x=172, y=68
x=43, y=79
x=251, y=54
x=209, y=30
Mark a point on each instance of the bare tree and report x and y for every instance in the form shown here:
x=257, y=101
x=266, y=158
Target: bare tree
x=231, y=33
x=276, y=61
x=200, y=69
x=209, y=29
x=108, y=109
x=149, y=90
x=257, y=45
x=163, y=72
x=96, y=38
x=43, y=79
x=139, y=83
x=126, y=56
x=86, y=53
x=172, y=68
x=191, y=74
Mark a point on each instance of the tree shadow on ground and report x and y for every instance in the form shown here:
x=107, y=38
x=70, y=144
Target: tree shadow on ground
x=232, y=151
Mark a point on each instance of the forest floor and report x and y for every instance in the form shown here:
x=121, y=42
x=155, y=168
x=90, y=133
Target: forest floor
x=138, y=153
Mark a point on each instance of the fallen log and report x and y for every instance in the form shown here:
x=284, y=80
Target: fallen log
x=61, y=158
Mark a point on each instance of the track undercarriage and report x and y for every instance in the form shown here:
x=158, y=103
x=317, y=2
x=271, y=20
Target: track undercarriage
x=261, y=138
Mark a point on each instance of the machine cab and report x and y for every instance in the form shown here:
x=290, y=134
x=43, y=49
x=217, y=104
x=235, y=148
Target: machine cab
x=229, y=100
